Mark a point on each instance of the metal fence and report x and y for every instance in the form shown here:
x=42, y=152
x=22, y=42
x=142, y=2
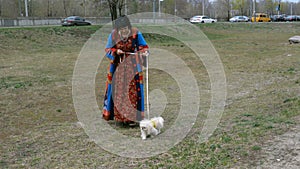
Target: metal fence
x=33, y=21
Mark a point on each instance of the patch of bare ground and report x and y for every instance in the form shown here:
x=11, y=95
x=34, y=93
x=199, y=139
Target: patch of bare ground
x=282, y=151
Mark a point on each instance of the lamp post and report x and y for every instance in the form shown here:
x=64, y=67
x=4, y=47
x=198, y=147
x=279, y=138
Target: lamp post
x=254, y=15
x=203, y=7
x=153, y=11
x=26, y=9
x=159, y=7
x=175, y=8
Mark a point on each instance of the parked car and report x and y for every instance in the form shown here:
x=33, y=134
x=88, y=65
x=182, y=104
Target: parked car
x=292, y=18
x=239, y=19
x=74, y=21
x=202, y=19
x=261, y=17
x=277, y=18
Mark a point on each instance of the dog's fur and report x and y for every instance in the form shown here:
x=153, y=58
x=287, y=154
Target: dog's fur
x=151, y=127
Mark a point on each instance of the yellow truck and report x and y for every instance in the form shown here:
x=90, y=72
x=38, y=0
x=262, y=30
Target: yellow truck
x=261, y=17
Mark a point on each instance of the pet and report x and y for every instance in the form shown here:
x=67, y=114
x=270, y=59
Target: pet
x=151, y=127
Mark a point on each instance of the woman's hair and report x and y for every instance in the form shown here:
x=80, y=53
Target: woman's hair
x=122, y=22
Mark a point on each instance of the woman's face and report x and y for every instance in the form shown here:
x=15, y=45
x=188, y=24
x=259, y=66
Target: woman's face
x=124, y=32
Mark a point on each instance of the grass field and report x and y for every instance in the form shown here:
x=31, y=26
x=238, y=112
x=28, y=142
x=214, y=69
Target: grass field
x=39, y=127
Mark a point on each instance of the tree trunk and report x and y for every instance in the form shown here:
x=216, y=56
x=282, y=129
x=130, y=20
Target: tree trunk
x=115, y=6
x=120, y=6
x=65, y=8
x=48, y=8
x=0, y=7
x=113, y=10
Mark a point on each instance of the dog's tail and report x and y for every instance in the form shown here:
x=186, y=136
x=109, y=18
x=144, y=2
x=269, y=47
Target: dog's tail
x=161, y=120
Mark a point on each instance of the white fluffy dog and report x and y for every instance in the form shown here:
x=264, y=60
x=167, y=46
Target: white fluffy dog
x=151, y=127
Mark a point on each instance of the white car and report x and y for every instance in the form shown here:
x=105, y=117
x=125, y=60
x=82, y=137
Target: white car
x=202, y=19
x=239, y=19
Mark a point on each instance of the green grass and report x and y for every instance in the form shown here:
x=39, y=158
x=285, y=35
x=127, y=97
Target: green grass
x=39, y=125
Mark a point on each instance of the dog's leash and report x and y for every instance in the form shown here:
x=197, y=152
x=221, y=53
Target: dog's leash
x=147, y=85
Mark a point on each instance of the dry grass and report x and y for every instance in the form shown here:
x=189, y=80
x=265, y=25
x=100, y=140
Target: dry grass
x=39, y=127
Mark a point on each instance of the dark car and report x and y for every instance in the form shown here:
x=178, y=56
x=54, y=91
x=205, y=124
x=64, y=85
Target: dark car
x=277, y=18
x=291, y=18
x=74, y=21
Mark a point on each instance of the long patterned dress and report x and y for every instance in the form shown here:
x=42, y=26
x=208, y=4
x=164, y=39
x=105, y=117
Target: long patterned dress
x=124, y=95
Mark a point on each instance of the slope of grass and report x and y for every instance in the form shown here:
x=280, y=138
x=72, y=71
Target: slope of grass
x=39, y=126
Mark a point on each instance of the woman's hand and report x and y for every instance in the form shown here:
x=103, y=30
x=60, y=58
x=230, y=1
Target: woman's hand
x=146, y=53
x=120, y=52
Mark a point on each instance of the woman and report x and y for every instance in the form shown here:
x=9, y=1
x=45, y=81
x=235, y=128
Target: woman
x=126, y=49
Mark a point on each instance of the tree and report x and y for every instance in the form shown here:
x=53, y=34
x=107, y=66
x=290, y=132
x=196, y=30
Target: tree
x=135, y=6
x=139, y=6
x=223, y=8
x=269, y=6
x=181, y=6
x=9, y=8
x=65, y=7
x=0, y=7
x=49, y=9
x=115, y=6
x=220, y=9
x=239, y=5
